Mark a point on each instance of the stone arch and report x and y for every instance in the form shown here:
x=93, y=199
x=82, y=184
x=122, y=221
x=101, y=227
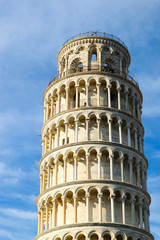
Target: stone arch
x=81, y=204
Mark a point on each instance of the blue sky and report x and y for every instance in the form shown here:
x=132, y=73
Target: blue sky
x=31, y=33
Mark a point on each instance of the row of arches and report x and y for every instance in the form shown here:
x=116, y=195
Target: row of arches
x=94, y=205
x=80, y=127
x=92, y=92
x=106, y=235
x=93, y=163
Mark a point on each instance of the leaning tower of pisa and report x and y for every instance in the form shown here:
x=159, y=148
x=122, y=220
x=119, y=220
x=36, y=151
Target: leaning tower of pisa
x=93, y=169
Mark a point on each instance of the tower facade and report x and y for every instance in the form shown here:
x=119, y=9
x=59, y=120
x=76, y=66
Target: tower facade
x=93, y=169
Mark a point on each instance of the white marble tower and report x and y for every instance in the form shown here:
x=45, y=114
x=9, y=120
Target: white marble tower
x=93, y=170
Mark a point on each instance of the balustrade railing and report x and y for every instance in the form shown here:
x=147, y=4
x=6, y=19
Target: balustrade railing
x=96, y=68
x=96, y=34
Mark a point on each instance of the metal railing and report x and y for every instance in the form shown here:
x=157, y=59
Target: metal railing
x=97, y=68
x=97, y=34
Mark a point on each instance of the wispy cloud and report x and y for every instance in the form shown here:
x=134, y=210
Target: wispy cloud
x=17, y=213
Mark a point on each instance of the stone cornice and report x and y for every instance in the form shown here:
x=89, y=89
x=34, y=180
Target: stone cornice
x=97, y=224
x=93, y=72
x=92, y=108
x=93, y=143
x=99, y=181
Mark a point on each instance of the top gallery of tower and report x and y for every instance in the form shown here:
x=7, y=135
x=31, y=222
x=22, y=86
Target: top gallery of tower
x=96, y=52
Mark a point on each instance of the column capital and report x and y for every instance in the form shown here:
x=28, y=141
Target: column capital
x=109, y=85
x=121, y=159
x=119, y=122
x=128, y=126
x=63, y=198
x=118, y=88
x=87, y=195
x=123, y=197
x=75, y=197
x=130, y=161
x=111, y=156
x=100, y=195
x=99, y=154
x=110, y=120
x=113, y=195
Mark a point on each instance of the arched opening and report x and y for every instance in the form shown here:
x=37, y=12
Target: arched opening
x=61, y=133
x=115, y=130
x=92, y=93
x=126, y=168
x=103, y=93
x=69, y=237
x=137, y=215
x=76, y=66
x=81, y=165
x=94, y=236
x=128, y=208
x=55, y=102
x=59, y=210
x=107, y=236
x=108, y=65
x=62, y=98
x=71, y=130
x=119, y=237
x=82, y=128
x=82, y=93
x=52, y=172
x=50, y=211
x=60, y=169
x=104, y=130
x=81, y=237
x=54, y=136
x=70, y=167
x=93, y=165
x=123, y=98
x=93, y=130
x=49, y=106
x=105, y=169
x=106, y=206
x=69, y=207
x=118, y=207
x=81, y=206
x=72, y=95
x=124, y=132
x=93, y=205
x=132, y=135
x=114, y=96
x=117, y=167
x=130, y=100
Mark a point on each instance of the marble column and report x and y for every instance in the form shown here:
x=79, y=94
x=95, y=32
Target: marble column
x=109, y=94
x=120, y=131
x=77, y=96
x=98, y=94
x=119, y=97
x=100, y=206
x=111, y=166
x=112, y=208
x=87, y=207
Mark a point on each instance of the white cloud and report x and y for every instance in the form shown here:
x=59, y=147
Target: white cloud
x=150, y=88
x=17, y=213
x=6, y=171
